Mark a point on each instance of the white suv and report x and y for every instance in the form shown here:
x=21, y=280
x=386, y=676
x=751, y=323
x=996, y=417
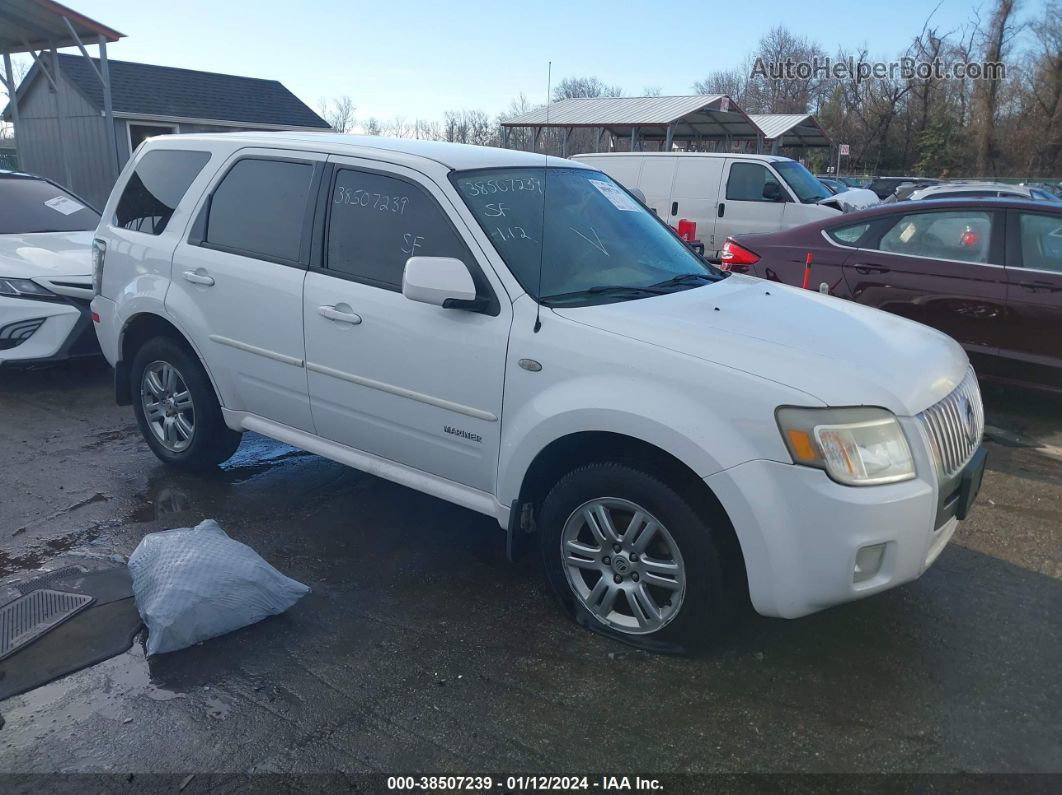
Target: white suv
x=523, y=338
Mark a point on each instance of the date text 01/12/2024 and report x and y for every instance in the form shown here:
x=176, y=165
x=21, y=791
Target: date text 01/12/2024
x=524, y=783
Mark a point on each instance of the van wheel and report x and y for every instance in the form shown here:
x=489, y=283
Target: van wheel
x=176, y=408
x=627, y=555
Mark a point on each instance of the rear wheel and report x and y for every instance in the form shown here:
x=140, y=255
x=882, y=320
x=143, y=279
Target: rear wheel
x=176, y=408
x=629, y=556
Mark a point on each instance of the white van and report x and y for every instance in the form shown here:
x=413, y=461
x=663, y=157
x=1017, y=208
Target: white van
x=725, y=194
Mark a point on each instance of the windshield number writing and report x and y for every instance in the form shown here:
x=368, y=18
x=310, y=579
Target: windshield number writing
x=489, y=187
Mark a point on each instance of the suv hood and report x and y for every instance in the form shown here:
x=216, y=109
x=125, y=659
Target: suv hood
x=836, y=351
x=46, y=254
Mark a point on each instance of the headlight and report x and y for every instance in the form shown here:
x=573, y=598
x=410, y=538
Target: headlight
x=23, y=287
x=855, y=446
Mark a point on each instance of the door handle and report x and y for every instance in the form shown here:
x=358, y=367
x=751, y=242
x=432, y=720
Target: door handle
x=722, y=209
x=199, y=278
x=338, y=315
x=866, y=269
x=1039, y=287
x=674, y=208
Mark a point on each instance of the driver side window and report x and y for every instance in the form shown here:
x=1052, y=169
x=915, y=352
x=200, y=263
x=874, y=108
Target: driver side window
x=751, y=182
x=376, y=222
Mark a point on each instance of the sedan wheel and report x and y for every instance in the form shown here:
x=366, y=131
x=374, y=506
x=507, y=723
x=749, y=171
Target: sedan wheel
x=623, y=565
x=168, y=407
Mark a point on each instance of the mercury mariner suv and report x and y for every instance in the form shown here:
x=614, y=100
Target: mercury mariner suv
x=520, y=336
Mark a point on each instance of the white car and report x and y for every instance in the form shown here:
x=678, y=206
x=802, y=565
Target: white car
x=45, y=272
x=979, y=190
x=530, y=343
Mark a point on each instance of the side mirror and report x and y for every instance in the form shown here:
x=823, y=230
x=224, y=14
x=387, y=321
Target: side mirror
x=772, y=191
x=440, y=281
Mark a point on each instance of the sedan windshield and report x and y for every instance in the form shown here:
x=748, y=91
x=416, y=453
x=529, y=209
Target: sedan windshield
x=804, y=184
x=573, y=236
x=28, y=204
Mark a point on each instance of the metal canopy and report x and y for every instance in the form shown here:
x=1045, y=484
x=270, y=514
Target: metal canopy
x=791, y=129
x=30, y=25
x=694, y=121
x=650, y=118
x=33, y=26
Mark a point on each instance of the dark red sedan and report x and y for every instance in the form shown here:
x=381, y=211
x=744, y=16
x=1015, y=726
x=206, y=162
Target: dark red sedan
x=988, y=272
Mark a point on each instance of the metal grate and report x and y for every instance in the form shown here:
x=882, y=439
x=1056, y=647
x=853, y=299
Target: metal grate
x=30, y=616
x=955, y=426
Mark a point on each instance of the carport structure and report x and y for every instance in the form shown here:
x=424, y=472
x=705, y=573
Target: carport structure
x=790, y=129
x=704, y=122
x=41, y=28
x=660, y=121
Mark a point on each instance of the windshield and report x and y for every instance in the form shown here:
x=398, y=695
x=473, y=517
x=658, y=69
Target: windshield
x=36, y=205
x=804, y=184
x=594, y=242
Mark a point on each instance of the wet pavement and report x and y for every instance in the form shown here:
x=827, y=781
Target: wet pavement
x=422, y=649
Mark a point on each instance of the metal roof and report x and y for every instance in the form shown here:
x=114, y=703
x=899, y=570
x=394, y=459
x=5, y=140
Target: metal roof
x=693, y=116
x=795, y=129
x=38, y=24
x=147, y=90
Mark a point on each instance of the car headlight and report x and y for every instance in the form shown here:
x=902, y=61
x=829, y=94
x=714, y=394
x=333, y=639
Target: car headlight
x=23, y=287
x=856, y=446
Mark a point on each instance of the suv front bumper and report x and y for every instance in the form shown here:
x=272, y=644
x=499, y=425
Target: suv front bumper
x=801, y=534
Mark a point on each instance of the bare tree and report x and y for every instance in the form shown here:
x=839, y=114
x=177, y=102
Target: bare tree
x=398, y=128
x=576, y=87
x=372, y=126
x=996, y=44
x=338, y=112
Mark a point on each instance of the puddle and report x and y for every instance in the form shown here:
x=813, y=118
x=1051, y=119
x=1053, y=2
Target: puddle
x=258, y=454
x=105, y=689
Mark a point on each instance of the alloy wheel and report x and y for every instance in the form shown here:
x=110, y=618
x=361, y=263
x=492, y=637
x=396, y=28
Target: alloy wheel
x=623, y=565
x=168, y=407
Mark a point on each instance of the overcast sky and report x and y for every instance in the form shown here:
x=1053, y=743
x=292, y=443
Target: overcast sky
x=417, y=59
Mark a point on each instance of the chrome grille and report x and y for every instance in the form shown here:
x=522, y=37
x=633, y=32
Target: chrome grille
x=955, y=425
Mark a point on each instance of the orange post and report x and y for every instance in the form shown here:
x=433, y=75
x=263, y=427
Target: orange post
x=807, y=270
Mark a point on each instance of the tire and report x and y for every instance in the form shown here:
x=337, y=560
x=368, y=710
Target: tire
x=699, y=601
x=187, y=432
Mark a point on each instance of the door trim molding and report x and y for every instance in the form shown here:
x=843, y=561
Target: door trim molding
x=391, y=389
x=435, y=485
x=243, y=346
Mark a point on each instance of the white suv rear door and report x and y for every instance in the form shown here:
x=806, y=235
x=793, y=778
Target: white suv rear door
x=237, y=280
x=407, y=381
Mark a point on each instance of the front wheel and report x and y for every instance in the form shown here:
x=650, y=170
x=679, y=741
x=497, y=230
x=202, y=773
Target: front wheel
x=629, y=556
x=176, y=408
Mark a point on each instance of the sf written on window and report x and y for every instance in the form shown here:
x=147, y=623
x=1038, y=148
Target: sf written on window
x=377, y=222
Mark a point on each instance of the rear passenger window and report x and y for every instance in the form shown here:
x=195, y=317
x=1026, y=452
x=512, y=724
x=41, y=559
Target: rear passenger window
x=749, y=182
x=959, y=235
x=1041, y=242
x=378, y=222
x=156, y=188
x=848, y=235
x=259, y=209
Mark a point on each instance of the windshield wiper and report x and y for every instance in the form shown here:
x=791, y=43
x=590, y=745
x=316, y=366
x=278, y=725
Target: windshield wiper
x=682, y=278
x=605, y=289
